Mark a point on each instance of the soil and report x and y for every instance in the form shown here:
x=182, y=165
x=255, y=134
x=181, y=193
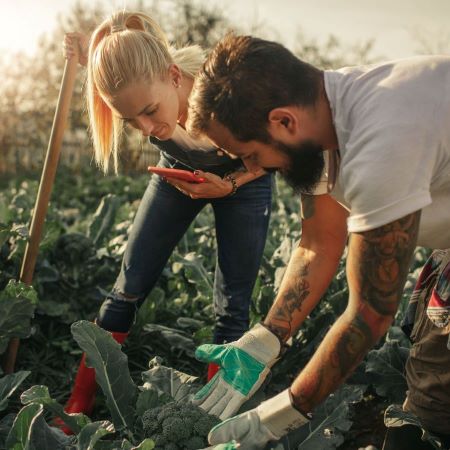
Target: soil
x=368, y=426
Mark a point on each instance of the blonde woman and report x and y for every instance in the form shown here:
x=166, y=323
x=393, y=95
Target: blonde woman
x=136, y=78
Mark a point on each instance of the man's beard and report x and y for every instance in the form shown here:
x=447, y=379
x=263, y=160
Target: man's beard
x=306, y=165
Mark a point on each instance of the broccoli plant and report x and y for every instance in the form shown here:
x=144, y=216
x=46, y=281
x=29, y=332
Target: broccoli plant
x=157, y=415
x=178, y=425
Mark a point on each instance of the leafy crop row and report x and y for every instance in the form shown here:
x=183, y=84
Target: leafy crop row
x=80, y=256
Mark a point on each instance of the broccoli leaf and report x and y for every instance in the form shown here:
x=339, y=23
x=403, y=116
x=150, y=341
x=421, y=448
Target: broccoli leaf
x=19, y=437
x=92, y=432
x=329, y=423
x=5, y=426
x=194, y=270
x=103, y=219
x=44, y=437
x=387, y=367
x=177, y=339
x=146, y=444
x=103, y=353
x=8, y=384
x=40, y=395
x=17, y=304
x=166, y=380
x=147, y=399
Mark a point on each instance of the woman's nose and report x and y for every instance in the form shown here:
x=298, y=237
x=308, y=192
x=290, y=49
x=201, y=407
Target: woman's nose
x=145, y=125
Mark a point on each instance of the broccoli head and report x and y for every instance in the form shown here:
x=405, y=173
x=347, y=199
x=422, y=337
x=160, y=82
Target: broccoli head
x=159, y=440
x=178, y=425
x=175, y=429
x=204, y=424
x=150, y=420
x=194, y=443
x=171, y=446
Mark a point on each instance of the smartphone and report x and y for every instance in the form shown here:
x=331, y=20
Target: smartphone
x=179, y=174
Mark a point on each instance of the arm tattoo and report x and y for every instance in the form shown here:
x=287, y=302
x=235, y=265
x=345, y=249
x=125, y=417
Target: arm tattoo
x=384, y=255
x=309, y=390
x=308, y=207
x=291, y=302
x=351, y=346
x=377, y=266
x=339, y=355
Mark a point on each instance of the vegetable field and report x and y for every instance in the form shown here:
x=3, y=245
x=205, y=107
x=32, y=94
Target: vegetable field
x=84, y=240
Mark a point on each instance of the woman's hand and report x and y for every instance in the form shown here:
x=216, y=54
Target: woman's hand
x=71, y=40
x=213, y=187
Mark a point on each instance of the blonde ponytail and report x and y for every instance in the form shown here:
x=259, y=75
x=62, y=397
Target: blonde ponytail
x=126, y=48
x=189, y=59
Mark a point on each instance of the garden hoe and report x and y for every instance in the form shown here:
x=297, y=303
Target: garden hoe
x=44, y=192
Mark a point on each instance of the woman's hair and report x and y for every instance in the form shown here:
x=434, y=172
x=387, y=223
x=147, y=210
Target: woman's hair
x=127, y=47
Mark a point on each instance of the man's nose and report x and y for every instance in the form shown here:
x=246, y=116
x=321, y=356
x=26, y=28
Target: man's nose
x=145, y=124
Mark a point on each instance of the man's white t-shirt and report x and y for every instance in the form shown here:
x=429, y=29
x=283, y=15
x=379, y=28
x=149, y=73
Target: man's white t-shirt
x=393, y=127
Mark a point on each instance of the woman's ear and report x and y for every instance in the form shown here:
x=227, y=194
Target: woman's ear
x=175, y=75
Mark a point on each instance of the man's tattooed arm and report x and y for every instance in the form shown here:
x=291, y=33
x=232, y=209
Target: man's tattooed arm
x=312, y=265
x=377, y=266
x=288, y=306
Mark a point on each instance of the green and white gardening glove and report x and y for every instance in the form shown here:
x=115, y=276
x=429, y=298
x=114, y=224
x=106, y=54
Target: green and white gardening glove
x=244, y=365
x=252, y=430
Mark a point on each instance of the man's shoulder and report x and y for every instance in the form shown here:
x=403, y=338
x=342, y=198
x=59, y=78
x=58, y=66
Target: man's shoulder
x=389, y=101
x=388, y=75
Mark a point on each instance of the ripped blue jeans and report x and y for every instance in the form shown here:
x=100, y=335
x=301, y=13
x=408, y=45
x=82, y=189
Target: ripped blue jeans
x=163, y=216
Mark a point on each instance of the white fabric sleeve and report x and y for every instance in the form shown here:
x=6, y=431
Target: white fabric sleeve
x=385, y=175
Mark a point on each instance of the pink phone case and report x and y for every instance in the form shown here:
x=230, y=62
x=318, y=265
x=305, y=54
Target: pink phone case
x=179, y=174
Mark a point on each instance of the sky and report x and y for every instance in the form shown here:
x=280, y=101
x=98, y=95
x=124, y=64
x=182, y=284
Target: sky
x=392, y=24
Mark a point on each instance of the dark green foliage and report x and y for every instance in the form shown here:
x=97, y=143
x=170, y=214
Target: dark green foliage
x=176, y=316
x=171, y=425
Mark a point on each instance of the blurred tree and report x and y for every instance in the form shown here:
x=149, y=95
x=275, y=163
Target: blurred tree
x=31, y=91
x=333, y=54
x=30, y=86
x=194, y=22
x=9, y=93
x=431, y=42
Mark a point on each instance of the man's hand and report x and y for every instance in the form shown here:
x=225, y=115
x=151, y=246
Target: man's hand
x=255, y=428
x=244, y=365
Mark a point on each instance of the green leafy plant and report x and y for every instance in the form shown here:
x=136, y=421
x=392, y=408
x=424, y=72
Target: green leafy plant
x=77, y=265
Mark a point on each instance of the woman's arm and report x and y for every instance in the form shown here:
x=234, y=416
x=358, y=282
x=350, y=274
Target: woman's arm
x=214, y=186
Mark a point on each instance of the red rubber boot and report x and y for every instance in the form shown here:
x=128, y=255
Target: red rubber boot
x=82, y=398
x=212, y=370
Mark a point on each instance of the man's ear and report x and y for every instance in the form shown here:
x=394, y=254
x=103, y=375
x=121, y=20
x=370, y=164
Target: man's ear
x=283, y=122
